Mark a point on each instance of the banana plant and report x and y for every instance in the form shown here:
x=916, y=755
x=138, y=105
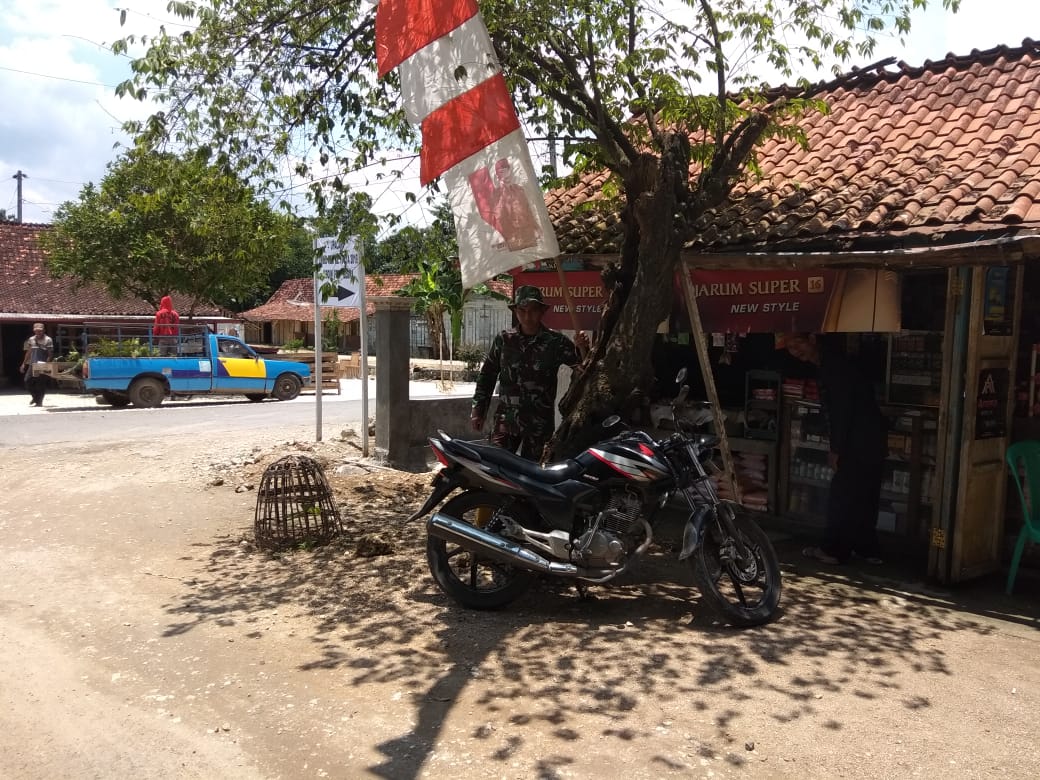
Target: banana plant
x=438, y=292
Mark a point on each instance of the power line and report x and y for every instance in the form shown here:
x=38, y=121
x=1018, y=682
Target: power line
x=59, y=181
x=58, y=78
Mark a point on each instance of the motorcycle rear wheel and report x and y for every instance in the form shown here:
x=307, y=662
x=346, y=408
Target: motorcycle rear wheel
x=473, y=581
x=742, y=595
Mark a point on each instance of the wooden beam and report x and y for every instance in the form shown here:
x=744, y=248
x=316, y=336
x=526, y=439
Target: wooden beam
x=997, y=251
x=709, y=380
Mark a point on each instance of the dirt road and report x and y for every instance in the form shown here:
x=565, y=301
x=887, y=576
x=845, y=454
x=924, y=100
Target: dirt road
x=141, y=635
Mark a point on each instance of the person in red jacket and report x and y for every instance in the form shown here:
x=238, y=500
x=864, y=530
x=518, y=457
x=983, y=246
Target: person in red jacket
x=166, y=327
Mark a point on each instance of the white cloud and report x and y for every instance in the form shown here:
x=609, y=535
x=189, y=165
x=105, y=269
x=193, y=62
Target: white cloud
x=57, y=82
x=61, y=132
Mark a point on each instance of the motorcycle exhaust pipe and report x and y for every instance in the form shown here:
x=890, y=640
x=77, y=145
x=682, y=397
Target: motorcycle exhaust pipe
x=493, y=546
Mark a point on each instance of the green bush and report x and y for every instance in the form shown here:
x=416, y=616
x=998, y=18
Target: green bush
x=470, y=354
x=122, y=348
x=330, y=333
x=293, y=344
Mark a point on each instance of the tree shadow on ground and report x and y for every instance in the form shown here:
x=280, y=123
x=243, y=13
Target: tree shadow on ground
x=553, y=663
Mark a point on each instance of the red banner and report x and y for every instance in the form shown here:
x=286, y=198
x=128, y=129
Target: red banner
x=587, y=294
x=819, y=301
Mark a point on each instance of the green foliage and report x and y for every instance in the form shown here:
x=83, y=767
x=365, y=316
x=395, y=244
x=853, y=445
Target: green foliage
x=437, y=290
x=292, y=345
x=399, y=252
x=135, y=348
x=331, y=330
x=283, y=89
x=472, y=355
x=159, y=223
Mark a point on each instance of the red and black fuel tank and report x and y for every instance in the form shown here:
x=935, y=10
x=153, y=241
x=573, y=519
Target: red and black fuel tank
x=631, y=456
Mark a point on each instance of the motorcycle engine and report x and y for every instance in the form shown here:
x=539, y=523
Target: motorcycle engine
x=604, y=544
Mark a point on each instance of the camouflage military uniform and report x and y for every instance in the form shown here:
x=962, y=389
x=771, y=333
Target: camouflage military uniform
x=526, y=368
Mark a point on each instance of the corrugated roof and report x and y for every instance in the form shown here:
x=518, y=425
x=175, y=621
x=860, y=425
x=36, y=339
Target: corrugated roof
x=952, y=146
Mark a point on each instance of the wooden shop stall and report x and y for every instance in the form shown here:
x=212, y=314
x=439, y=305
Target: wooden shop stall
x=938, y=333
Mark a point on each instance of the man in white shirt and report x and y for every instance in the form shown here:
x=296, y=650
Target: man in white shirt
x=39, y=348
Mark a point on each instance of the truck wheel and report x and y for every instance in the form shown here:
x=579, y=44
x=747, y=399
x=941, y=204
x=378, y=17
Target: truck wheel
x=147, y=393
x=115, y=399
x=256, y=397
x=287, y=387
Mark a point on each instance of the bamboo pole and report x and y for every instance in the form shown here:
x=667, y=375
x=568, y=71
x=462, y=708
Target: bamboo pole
x=709, y=379
x=570, y=305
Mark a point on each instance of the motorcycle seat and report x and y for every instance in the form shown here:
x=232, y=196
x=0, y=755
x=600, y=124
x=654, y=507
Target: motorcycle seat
x=552, y=474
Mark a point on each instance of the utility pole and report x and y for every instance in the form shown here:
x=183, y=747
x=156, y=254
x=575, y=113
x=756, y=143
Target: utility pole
x=552, y=150
x=19, y=176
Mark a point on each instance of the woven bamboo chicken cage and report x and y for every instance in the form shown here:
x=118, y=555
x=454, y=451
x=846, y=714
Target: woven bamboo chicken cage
x=294, y=505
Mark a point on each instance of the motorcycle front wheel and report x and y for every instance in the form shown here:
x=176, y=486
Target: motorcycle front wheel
x=739, y=578
x=474, y=581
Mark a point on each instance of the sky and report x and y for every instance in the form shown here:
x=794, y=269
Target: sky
x=60, y=123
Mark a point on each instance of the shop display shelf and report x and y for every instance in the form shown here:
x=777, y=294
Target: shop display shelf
x=758, y=403
x=818, y=446
x=809, y=481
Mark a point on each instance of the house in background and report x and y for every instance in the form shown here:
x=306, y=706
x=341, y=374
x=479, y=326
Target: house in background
x=288, y=315
x=29, y=293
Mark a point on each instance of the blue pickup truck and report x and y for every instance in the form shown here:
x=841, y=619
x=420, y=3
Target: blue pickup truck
x=131, y=365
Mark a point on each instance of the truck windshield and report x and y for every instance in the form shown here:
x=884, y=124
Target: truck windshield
x=232, y=348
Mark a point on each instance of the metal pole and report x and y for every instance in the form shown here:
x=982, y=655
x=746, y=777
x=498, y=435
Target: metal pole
x=19, y=176
x=363, y=324
x=317, y=358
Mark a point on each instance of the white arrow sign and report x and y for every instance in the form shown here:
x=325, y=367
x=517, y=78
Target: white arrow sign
x=342, y=271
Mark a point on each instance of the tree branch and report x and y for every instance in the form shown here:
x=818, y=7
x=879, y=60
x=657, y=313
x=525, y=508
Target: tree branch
x=720, y=73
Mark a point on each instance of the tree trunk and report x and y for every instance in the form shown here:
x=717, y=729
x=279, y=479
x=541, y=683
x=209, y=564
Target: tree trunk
x=619, y=369
x=435, y=327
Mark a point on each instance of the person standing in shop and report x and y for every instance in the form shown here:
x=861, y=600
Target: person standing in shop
x=857, y=452
x=39, y=348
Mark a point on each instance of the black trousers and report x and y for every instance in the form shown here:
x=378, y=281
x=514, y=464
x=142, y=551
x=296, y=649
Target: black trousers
x=852, y=510
x=36, y=385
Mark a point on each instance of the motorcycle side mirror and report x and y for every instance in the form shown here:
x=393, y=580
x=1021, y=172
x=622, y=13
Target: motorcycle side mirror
x=611, y=421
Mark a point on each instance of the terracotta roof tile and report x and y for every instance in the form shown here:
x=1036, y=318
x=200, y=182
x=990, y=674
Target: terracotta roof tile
x=294, y=300
x=947, y=146
x=29, y=291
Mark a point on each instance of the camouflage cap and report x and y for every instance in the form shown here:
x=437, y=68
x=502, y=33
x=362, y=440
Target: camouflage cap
x=525, y=294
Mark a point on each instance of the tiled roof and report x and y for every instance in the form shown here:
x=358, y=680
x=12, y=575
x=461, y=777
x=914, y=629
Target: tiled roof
x=951, y=147
x=28, y=291
x=294, y=300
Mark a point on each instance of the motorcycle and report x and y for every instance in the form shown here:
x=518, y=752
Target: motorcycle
x=588, y=519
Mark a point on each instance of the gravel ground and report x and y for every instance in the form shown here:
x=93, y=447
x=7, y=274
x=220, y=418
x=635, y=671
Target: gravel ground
x=142, y=633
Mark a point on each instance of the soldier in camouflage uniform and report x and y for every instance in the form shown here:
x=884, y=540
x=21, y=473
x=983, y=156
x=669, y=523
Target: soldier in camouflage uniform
x=525, y=362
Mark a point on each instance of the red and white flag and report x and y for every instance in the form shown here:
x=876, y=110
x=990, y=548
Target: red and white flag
x=452, y=85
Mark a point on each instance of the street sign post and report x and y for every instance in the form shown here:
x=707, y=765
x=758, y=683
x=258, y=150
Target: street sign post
x=340, y=282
